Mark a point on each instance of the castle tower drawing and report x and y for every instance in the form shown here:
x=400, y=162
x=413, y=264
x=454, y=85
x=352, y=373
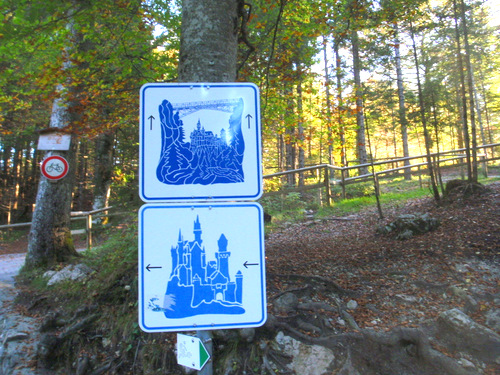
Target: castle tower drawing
x=197, y=286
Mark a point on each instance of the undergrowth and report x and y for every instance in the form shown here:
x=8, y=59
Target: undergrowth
x=295, y=206
x=111, y=294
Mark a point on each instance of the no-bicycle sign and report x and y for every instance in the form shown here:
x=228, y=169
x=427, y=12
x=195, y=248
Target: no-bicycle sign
x=54, y=167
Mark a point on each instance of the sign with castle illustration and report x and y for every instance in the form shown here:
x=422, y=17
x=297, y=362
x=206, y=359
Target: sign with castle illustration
x=200, y=141
x=201, y=266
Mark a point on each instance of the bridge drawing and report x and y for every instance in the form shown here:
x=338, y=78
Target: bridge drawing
x=224, y=105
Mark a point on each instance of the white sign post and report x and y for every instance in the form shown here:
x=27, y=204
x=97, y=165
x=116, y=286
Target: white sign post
x=191, y=352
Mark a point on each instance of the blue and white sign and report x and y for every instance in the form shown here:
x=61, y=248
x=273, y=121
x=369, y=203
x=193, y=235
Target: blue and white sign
x=200, y=141
x=201, y=266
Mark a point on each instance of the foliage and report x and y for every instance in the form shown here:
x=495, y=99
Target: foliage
x=126, y=43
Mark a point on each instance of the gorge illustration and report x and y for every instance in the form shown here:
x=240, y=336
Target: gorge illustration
x=198, y=285
x=207, y=158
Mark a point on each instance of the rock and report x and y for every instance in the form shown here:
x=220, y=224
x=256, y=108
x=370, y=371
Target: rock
x=352, y=305
x=493, y=319
x=70, y=273
x=247, y=334
x=306, y=359
x=463, y=334
x=14, y=336
x=286, y=303
x=407, y=299
x=406, y=226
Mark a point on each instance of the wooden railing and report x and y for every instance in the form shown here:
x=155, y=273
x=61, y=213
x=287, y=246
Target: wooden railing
x=75, y=215
x=444, y=158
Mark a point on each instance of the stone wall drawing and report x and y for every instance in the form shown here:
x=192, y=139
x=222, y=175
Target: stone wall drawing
x=207, y=158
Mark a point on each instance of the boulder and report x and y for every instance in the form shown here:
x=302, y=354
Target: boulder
x=406, y=226
x=305, y=359
x=462, y=334
x=70, y=273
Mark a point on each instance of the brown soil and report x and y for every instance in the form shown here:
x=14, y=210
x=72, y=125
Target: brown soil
x=394, y=282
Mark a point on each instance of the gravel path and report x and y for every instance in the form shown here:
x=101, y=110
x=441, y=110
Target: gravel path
x=18, y=333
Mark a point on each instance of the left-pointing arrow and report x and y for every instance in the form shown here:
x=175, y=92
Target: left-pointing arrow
x=246, y=264
x=149, y=267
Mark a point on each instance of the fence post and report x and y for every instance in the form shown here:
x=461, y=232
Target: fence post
x=419, y=177
x=89, y=231
x=485, y=166
x=342, y=178
x=327, y=186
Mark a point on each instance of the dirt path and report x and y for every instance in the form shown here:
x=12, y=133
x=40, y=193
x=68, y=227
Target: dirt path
x=19, y=333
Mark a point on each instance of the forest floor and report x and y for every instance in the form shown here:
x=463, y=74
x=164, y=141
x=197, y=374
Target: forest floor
x=385, y=284
x=347, y=279
x=394, y=282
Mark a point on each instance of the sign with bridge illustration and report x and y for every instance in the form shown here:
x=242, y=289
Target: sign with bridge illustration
x=201, y=266
x=200, y=141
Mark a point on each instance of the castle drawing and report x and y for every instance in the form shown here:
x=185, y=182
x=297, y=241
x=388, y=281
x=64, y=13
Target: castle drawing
x=198, y=285
x=208, y=158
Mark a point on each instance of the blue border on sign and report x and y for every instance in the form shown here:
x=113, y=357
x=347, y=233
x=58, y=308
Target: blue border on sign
x=257, y=135
x=191, y=327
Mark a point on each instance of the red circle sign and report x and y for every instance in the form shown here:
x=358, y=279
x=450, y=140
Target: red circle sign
x=55, y=167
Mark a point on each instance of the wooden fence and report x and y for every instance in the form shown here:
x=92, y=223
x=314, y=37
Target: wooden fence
x=327, y=175
x=76, y=215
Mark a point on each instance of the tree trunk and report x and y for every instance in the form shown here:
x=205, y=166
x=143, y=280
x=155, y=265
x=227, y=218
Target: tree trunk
x=402, y=108
x=50, y=239
x=290, y=138
x=360, y=118
x=329, y=130
x=340, y=107
x=463, y=95
x=209, y=40
x=103, y=170
x=300, y=128
x=470, y=84
x=424, y=122
x=209, y=46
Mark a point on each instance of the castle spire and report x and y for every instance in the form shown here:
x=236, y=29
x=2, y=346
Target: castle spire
x=197, y=230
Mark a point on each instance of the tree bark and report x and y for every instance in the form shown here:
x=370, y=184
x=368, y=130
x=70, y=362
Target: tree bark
x=209, y=41
x=329, y=130
x=340, y=106
x=50, y=239
x=300, y=128
x=470, y=84
x=402, y=108
x=463, y=95
x=424, y=121
x=360, y=118
x=208, y=52
x=103, y=169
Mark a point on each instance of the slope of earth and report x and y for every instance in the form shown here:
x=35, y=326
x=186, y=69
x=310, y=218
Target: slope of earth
x=337, y=282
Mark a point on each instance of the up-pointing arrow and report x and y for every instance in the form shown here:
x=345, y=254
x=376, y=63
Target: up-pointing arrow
x=249, y=117
x=151, y=118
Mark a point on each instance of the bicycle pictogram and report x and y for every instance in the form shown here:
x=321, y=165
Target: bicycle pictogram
x=54, y=167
